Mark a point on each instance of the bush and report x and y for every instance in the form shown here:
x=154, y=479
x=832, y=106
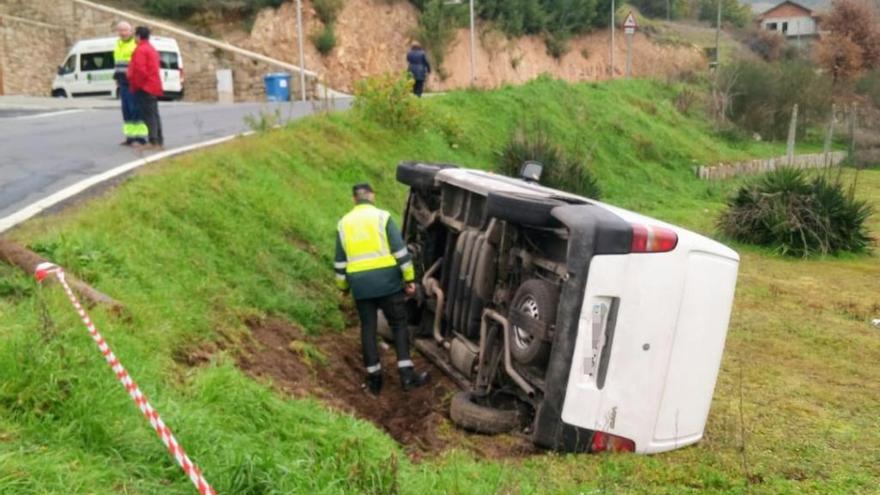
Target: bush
x=732, y=12
x=388, y=100
x=560, y=170
x=797, y=216
x=769, y=45
x=436, y=30
x=324, y=40
x=762, y=96
x=327, y=10
x=183, y=9
x=869, y=85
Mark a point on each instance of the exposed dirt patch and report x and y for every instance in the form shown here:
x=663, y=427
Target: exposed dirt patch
x=330, y=368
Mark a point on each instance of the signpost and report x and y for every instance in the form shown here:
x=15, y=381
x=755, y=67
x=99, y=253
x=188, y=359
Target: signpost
x=629, y=27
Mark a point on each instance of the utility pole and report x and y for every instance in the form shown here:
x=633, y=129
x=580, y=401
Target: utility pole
x=612, y=39
x=302, y=56
x=718, y=38
x=473, y=44
x=667, y=10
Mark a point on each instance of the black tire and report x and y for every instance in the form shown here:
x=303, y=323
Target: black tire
x=522, y=208
x=419, y=175
x=470, y=413
x=59, y=93
x=539, y=299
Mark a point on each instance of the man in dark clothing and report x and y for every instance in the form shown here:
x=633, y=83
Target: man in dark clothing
x=372, y=261
x=146, y=84
x=418, y=67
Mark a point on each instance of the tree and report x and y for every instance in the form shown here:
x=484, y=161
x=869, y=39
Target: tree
x=840, y=56
x=732, y=11
x=857, y=22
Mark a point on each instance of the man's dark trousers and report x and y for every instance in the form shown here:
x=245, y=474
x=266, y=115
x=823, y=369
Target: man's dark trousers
x=149, y=108
x=418, y=87
x=394, y=309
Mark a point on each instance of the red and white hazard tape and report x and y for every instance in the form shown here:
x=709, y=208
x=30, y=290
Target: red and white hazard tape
x=191, y=470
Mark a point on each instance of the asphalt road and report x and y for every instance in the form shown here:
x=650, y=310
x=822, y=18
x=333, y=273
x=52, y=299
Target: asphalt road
x=44, y=149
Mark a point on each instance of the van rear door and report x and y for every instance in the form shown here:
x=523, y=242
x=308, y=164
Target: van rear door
x=170, y=67
x=649, y=345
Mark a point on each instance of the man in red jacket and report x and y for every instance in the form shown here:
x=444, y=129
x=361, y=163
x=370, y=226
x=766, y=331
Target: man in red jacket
x=146, y=85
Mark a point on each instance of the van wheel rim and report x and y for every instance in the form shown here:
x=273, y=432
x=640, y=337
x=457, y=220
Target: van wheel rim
x=522, y=338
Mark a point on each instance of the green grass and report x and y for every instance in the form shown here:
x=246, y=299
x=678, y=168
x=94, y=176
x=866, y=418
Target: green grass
x=196, y=245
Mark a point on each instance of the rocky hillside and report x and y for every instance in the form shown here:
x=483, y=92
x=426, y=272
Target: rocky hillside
x=372, y=36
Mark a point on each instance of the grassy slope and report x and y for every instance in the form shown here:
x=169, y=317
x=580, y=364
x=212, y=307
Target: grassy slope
x=196, y=245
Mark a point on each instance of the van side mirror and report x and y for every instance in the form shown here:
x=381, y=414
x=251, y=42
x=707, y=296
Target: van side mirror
x=60, y=70
x=531, y=171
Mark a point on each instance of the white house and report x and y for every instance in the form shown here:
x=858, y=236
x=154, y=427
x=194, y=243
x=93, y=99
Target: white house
x=790, y=19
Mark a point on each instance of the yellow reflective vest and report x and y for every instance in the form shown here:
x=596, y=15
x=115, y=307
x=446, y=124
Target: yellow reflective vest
x=371, y=257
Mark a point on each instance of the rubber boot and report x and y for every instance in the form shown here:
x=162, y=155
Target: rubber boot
x=374, y=382
x=410, y=379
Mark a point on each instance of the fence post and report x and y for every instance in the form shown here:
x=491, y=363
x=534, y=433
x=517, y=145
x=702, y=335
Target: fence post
x=792, y=131
x=829, y=134
x=852, y=132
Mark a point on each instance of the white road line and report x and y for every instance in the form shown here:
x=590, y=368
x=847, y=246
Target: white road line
x=47, y=114
x=38, y=206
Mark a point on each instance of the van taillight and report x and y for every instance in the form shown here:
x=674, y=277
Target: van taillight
x=181, y=75
x=604, y=442
x=650, y=239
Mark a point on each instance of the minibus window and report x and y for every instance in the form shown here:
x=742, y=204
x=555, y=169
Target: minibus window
x=95, y=61
x=168, y=60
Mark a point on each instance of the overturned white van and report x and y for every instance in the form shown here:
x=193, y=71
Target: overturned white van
x=585, y=326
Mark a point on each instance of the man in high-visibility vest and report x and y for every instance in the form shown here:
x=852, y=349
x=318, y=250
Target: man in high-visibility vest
x=133, y=127
x=373, y=262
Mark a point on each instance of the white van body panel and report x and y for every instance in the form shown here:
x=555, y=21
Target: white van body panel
x=671, y=324
x=669, y=329
x=91, y=72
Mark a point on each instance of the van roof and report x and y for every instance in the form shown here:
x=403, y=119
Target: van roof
x=110, y=42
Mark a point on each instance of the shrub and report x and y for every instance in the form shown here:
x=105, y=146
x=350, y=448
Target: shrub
x=388, y=100
x=560, y=170
x=769, y=45
x=797, y=216
x=324, y=40
x=436, y=30
x=732, y=11
x=869, y=85
x=327, y=10
x=762, y=96
x=183, y=9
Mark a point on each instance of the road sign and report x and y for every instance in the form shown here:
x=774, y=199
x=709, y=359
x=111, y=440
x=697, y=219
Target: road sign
x=629, y=25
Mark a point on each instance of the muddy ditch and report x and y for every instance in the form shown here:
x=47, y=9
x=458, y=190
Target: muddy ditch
x=330, y=368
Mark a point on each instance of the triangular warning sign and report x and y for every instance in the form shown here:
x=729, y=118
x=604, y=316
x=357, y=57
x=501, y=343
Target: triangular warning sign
x=630, y=21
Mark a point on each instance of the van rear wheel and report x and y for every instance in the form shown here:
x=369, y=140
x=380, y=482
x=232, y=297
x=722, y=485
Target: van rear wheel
x=497, y=413
x=535, y=299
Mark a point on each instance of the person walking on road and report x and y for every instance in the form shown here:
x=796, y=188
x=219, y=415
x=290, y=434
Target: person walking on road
x=133, y=128
x=373, y=262
x=419, y=67
x=145, y=83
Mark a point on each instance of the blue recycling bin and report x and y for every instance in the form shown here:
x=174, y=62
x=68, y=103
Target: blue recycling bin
x=277, y=86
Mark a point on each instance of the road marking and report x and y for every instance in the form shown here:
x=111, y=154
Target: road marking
x=38, y=206
x=48, y=114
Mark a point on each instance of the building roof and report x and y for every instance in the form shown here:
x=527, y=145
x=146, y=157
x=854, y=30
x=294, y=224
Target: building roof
x=786, y=9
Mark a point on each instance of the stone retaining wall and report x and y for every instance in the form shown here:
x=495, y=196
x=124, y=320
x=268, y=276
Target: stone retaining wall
x=72, y=20
x=754, y=167
x=30, y=51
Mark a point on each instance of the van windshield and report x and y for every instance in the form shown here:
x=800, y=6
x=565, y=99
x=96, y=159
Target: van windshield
x=169, y=60
x=95, y=61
